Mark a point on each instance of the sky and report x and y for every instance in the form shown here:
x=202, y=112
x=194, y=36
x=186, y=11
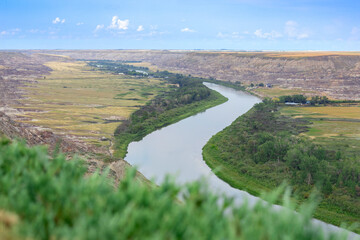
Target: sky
x=284, y=25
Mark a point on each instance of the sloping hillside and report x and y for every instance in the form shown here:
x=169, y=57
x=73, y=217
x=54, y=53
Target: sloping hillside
x=336, y=74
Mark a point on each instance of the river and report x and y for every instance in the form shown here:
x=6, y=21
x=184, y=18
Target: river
x=177, y=149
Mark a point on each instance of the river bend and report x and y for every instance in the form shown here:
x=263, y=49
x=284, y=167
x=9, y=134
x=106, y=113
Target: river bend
x=177, y=149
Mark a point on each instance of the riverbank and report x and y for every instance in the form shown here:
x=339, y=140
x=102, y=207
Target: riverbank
x=125, y=135
x=132, y=210
x=262, y=148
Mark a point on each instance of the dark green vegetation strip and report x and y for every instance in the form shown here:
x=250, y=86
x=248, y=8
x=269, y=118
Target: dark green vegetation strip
x=261, y=149
x=187, y=96
x=43, y=198
x=161, y=112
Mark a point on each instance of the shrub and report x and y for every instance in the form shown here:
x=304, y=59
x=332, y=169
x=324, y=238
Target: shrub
x=53, y=200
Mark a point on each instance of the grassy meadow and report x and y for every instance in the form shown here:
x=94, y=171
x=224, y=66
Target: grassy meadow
x=77, y=100
x=335, y=127
x=275, y=92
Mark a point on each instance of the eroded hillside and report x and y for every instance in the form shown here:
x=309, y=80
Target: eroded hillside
x=336, y=74
x=25, y=82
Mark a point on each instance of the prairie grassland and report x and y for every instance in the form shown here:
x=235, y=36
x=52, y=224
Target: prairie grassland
x=74, y=99
x=350, y=112
x=336, y=127
x=277, y=92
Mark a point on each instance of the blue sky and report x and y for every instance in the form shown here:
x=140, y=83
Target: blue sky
x=180, y=24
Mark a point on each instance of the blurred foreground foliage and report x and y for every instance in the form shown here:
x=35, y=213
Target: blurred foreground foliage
x=44, y=197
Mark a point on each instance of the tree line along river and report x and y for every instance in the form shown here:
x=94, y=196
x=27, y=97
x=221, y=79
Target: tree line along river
x=177, y=149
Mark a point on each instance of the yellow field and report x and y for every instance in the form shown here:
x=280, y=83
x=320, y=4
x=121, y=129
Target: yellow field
x=79, y=101
x=351, y=112
x=335, y=127
x=277, y=92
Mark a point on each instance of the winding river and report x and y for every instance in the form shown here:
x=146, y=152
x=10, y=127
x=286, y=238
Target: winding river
x=177, y=149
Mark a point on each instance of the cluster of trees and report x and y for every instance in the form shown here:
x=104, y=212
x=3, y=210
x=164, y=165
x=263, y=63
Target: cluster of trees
x=263, y=139
x=293, y=98
x=260, y=85
x=165, y=109
x=298, y=98
x=319, y=100
x=119, y=67
x=187, y=93
x=50, y=198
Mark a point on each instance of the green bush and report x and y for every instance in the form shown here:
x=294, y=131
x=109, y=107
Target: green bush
x=54, y=200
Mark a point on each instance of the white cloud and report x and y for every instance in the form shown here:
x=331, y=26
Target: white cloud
x=99, y=27
x=187, y=30
x=79, y=23
x=267, y=35
x=10, y=32
x=292, y=30
x=140, y=28
x=58, y=20
x=116, y=23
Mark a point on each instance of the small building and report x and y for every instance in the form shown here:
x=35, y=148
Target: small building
x=292, y=103
x=142, y=72
x=269, y=85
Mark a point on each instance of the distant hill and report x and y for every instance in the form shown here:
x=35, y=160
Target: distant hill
x=336, y=74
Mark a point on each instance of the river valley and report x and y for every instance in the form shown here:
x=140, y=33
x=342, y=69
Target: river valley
x=177, y=149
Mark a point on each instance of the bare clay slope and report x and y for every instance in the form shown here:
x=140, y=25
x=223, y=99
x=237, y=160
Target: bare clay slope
x=335, y=74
